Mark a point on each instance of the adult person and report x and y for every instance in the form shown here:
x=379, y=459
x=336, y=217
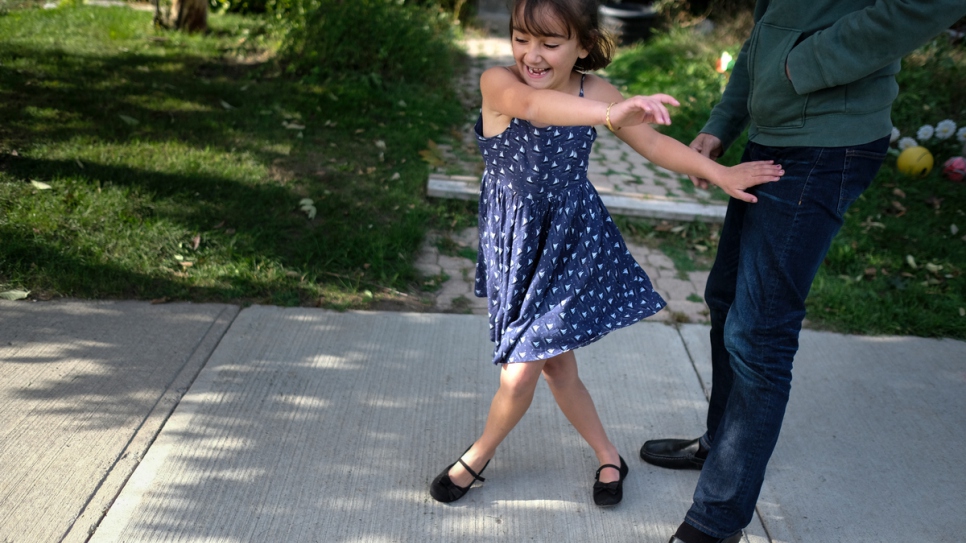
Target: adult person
x=814, y=83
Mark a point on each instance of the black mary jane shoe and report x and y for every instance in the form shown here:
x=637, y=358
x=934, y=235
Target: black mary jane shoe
x=608, y=494
x=443, y=489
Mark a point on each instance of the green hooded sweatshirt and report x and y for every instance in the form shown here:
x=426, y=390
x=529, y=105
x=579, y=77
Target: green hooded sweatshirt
x=842, y=56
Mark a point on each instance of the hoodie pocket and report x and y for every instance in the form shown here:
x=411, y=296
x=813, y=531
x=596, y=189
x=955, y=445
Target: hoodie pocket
x=772, y=100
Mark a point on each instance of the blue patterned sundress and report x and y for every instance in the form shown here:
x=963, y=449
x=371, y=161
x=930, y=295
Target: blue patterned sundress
x=552, y=264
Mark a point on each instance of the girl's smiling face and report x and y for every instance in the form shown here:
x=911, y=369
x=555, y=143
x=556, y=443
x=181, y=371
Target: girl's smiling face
x=545, y=61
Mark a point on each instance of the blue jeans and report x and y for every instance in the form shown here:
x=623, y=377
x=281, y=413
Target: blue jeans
x=767, y=258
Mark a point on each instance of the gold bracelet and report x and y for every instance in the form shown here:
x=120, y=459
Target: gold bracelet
x=607, y=118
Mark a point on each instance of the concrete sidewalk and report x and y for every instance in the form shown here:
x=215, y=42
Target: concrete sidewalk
x=312, y=425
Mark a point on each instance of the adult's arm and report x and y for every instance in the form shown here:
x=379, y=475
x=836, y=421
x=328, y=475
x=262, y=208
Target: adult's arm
x=867, y=40
x=730, y=116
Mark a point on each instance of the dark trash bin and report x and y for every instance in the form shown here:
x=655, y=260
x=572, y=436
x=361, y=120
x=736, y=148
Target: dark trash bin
x=628, y=22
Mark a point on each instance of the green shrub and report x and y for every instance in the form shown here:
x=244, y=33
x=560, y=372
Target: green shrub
x=380, y=42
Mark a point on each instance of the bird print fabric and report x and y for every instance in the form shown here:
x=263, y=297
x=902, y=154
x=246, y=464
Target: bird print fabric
x=551, y=262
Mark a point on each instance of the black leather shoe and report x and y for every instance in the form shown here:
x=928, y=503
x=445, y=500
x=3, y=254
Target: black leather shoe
x=443, y=489
x=607, y=494
x=733, y=539
x=674, y=453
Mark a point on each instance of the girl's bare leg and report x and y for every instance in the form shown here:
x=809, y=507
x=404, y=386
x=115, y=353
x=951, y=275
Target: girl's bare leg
x=518, y=382
x=574, y=400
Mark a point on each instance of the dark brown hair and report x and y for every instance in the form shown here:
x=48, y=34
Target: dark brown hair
x=581, y=19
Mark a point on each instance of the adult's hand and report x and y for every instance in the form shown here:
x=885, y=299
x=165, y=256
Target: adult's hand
x=709, y=146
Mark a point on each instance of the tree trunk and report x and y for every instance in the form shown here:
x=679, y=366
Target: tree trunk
x=188, y=15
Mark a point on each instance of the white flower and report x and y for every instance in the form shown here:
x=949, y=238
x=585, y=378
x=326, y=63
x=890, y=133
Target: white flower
x=925, y=132
x=895, y=135
x=961, y=135
x=945, y=129
x=906, y=143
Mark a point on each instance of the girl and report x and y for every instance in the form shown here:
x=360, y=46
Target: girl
x=552, y=264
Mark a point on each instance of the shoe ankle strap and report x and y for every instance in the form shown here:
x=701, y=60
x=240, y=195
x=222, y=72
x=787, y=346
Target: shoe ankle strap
x=476, y=476
x=606, y=466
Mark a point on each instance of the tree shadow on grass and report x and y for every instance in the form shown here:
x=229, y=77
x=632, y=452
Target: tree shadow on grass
x=227, y=215
x=58, y=96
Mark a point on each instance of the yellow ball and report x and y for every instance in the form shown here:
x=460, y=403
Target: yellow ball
x=915, y=162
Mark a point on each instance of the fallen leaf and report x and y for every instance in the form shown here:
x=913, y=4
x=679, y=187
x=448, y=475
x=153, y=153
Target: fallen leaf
x=868, y=224
x=953, y=229
x=934, y=202
x=432, y=154
x=932, y=267
x=40, y=186
x=911, y=261
x=186, y=264
x=79, y=163
x=962, y=311
x=381, y=145
x=395, y=177
x=195, y=242
x=900, y=207
x=293, y=126
x=14, y=294
x=871, y=272
x=898, y=192
x=226, y=105
x=162, y=300
x=129, y=120
x=178, y=257
x=309, y=210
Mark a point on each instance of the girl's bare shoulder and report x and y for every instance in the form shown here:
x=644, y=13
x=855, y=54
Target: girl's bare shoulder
x=598, y=88
x=500, y=74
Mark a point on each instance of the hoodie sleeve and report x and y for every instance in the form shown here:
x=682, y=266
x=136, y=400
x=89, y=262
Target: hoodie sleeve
x=868, y=40
x=730, y=116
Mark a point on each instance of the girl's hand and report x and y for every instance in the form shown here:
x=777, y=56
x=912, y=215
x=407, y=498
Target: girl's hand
x=642, y=109
x=736, y=179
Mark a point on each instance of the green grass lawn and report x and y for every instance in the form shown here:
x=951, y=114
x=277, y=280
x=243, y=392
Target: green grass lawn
x=142, y=164
x=177, y=165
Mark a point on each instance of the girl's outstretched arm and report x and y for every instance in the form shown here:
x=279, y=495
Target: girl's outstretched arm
x=506, y=97
x=675, y=156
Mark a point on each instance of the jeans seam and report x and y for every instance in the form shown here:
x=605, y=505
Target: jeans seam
x=842, y=182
